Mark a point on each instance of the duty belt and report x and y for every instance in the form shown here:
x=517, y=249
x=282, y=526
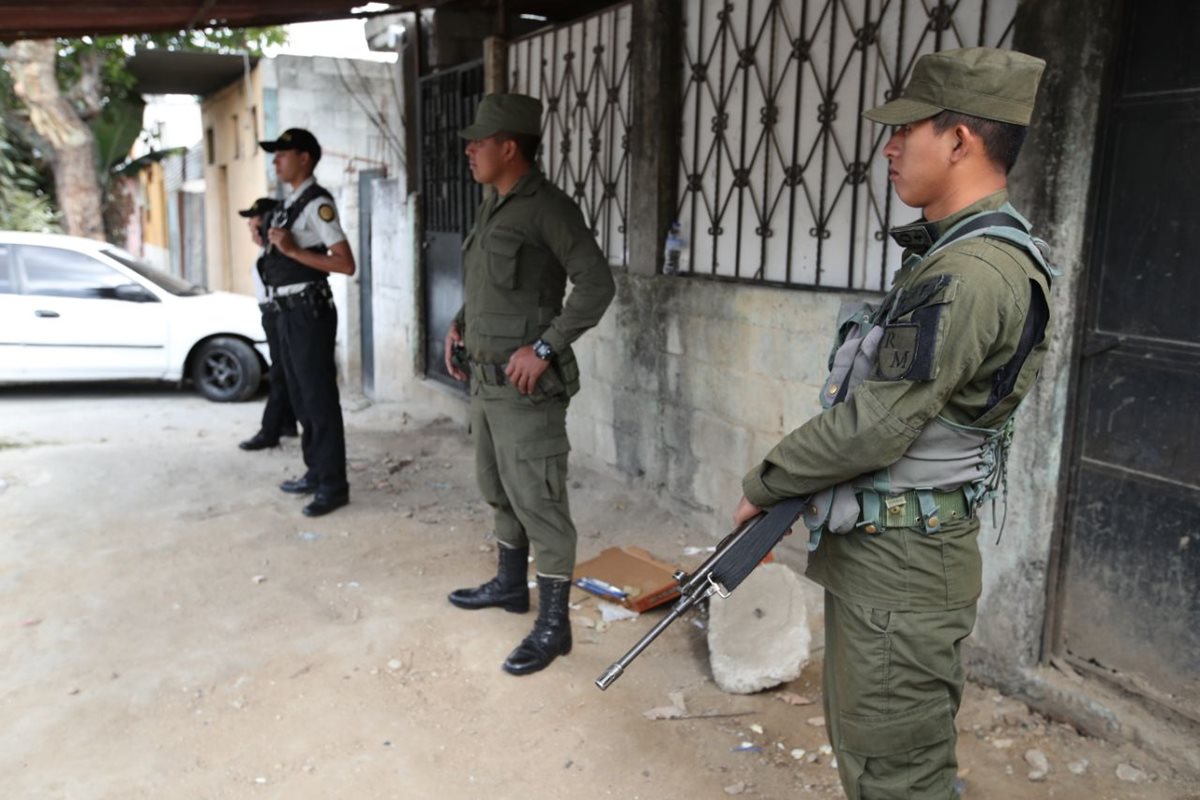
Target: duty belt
x=491, y=374
x=919, y=508
x=311, y=296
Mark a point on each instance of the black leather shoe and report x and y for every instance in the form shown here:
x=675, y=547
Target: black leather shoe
x=303, y=485
x=551, y=635
x=258, y=442
x=289, y=432
x=508, y=590
x=323, y=503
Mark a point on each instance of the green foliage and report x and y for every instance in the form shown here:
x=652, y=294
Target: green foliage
x=23, y=205
x=112, y=51
x=91, y=71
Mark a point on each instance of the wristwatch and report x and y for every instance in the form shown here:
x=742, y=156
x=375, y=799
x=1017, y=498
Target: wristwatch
x=543, y=350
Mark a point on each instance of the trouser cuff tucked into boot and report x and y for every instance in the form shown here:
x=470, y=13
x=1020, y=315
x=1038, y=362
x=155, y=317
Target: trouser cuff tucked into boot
x=551, y=635
x=508, y=590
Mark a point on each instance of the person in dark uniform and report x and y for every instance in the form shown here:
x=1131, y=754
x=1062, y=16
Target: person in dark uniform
x=278, y=418
x=305, y=244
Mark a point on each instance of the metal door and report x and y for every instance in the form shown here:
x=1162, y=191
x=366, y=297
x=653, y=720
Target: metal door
x=1129, y=577
x=366, y=314
x=449, y=200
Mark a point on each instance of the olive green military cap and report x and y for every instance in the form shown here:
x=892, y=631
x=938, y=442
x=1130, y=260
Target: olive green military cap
x=508, y=113
x=983, y=82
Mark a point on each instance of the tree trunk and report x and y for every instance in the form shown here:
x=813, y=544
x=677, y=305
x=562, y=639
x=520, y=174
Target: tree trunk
x=70, y=138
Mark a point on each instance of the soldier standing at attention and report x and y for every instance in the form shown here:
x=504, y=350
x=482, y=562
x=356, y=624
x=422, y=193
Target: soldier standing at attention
x=918, y=417
x=278, y=419
x=306, y=243
x=529, y=239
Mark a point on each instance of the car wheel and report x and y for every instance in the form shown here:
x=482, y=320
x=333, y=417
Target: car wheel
x=226, y=370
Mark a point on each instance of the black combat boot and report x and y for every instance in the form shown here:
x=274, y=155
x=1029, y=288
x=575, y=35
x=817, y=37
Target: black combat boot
x=551, y=636
x=509, y=589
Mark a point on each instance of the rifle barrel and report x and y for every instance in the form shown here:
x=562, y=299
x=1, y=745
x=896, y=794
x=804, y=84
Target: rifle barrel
x=618, y=666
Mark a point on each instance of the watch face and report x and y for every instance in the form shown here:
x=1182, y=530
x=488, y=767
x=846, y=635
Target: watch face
x=542, y=350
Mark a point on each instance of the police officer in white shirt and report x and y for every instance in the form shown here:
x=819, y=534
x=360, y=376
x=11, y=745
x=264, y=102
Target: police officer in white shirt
x=278, y=419
x=305, y=244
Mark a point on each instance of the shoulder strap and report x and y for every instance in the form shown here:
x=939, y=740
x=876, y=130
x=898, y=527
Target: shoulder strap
x=999, y=225
x=989, y=219
x=314, y=191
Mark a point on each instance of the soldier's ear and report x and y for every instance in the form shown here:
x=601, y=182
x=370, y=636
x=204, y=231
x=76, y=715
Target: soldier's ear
x=964, y=142
x=509, y=150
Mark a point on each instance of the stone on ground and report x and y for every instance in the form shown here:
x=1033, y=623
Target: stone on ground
x=759, y=636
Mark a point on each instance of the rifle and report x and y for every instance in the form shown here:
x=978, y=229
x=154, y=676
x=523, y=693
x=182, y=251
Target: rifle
x=735, y=558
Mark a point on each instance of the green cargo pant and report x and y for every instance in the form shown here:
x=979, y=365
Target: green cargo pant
x=521, y=464
x=893, y=683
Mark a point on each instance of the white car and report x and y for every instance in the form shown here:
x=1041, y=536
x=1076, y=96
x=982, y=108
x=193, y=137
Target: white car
x=75, y=309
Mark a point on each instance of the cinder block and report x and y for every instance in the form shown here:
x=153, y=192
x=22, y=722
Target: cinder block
x=718, y=442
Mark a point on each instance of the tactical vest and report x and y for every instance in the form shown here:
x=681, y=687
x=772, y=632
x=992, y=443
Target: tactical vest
x=947, y=457
x=280, y=270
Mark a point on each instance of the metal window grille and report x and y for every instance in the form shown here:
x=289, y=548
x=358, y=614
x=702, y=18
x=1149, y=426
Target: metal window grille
x=449, y=195
x=581, y=73
x=781, y=180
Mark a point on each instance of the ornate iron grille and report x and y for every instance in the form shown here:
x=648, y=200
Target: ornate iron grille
x=781, y=181
x=581, y=73
x=449, y=195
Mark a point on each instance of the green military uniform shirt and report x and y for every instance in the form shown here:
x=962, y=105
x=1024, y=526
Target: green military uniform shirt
x=523, y=248
x=984, y=303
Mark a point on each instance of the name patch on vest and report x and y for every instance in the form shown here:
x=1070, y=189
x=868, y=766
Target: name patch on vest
x=907, y=350
x=897, y=350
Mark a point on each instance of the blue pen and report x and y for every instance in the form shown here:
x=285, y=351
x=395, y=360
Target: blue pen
x=600, y=587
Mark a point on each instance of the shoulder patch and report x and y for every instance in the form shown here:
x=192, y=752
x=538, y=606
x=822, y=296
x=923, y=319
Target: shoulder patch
x=326, y=212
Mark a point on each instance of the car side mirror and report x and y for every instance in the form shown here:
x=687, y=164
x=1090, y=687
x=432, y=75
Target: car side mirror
x=134, y=293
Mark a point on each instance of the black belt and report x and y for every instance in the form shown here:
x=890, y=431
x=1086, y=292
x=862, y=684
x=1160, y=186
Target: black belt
x=313, y=295
x=267, y=306
x=491, y=374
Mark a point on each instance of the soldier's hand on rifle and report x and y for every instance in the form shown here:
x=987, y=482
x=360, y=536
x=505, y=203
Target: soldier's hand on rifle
x=453, y=339
x=745, y=511
x=524, y=368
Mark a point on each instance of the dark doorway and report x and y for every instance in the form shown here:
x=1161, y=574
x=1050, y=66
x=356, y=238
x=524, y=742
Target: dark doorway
x=449, y=200
x=1129, y=570
x=366, y=314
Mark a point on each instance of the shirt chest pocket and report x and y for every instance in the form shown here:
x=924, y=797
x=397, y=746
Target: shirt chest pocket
x=502, y=246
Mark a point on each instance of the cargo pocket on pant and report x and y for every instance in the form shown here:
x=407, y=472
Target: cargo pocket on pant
x=890, y=738
x=548, y=459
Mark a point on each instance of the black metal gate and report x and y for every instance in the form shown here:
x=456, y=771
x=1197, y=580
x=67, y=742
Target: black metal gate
x=449, y=200
x=1129, y=569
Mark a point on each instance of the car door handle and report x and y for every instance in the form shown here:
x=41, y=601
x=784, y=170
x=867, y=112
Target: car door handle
x=41, y=312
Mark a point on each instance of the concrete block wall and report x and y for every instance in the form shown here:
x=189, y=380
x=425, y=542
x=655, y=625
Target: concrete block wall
x=394, y=291
x=687, y=383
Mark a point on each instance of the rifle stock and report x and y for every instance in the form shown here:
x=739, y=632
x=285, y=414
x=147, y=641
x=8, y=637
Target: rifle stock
x=736, y=557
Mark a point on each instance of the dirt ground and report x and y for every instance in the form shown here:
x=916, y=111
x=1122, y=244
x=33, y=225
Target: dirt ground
x=172, y=627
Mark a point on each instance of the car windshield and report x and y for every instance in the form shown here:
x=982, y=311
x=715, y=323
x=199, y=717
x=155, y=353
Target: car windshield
x=165, y=280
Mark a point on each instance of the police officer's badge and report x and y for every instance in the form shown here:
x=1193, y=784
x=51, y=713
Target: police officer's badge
x=326, y=212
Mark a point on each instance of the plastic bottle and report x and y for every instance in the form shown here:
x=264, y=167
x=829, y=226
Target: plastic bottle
x=673, y=252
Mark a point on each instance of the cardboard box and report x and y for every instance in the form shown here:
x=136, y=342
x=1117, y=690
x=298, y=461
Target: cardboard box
x=647, y=581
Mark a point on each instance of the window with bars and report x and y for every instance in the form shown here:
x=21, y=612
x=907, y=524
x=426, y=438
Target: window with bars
x=781, y=180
